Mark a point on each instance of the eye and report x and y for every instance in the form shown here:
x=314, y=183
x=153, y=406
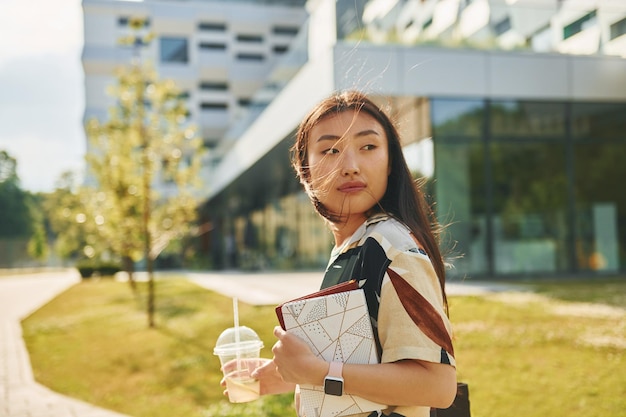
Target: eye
x=330, y=151
x=369, y=147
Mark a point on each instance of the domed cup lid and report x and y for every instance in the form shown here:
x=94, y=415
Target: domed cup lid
x=227, y=341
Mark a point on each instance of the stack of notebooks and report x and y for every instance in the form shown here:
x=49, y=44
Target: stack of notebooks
x=335, y=323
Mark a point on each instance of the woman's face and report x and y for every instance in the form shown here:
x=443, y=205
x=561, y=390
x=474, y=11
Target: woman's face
x=348, y=162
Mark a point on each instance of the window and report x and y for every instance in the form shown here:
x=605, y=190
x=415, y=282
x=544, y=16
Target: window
x=250, y=57
x=502, y=26
x=213, y=86
x=174, y=50
x=459, y=168
x=210, y=143
x=212, y=46
x=618, y=28
x=244, y=102
x=213, y=106
x=599, y=121
x=457, y=118
x=427, y=23
x=579, y=25
x=250, y=38
x=212, y=26
x=512, y=119
x=599, y=131
x=285, y=30
x=280, y=49
x=124, y=21
x=529, y=223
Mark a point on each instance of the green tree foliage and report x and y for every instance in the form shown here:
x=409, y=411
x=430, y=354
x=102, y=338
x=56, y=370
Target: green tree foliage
x=145, y=160
x=144, y=152
x=38, y=244
x=15, y=218
x=71, y=220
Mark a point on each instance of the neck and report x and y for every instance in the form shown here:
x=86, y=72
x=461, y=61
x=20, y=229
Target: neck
x=343, y=230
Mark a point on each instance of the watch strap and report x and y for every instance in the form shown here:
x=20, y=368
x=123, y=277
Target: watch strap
x=335, y=369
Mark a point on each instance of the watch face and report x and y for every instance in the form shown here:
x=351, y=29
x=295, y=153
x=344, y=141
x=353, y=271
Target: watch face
x=333, y=386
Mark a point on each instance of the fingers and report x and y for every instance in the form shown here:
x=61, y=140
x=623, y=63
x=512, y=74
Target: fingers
x=279, y=332
x=264, y=368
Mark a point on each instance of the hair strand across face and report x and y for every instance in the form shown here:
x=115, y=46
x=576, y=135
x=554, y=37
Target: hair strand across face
x=403, y=198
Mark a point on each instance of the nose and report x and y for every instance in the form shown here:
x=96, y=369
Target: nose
x=350, y=165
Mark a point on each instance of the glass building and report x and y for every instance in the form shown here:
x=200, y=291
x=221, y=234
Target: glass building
x=519, y=138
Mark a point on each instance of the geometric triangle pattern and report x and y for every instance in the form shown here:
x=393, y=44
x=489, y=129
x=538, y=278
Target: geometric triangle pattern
x=337, y=328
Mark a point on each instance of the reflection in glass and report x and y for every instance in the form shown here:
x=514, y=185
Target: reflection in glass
x=174, y=50
x=600, y=205
x=457, y=118
x=460, y=196
x=517, y=190
x=459, y=186
x=530, y=203
x=599, y=131
x=523, y=119
x=596, y=121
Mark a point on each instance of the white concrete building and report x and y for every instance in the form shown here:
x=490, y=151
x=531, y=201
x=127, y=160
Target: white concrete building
x=219, y=52
x=580, y=27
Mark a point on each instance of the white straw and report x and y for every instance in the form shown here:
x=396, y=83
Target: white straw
x=237, y=337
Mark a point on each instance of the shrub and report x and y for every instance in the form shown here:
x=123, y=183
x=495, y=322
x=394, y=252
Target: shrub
x=89, y=268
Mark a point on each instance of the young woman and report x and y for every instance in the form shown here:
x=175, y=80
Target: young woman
x=348, y=156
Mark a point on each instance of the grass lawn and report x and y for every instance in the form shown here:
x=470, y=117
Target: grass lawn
x=523, y=354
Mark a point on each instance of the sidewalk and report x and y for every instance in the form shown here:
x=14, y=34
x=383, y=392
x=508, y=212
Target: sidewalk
x=277, y=287
x=20, y=394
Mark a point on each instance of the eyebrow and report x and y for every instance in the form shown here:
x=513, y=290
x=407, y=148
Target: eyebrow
x=359, y=134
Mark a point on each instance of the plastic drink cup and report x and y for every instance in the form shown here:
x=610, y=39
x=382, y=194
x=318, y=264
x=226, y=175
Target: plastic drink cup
x=237, y=353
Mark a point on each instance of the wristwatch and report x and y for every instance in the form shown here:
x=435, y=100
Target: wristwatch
x=333, y=383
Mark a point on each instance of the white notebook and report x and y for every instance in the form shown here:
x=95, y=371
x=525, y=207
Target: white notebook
x=337, y=327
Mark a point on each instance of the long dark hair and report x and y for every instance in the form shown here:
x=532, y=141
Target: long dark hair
x=403, y=198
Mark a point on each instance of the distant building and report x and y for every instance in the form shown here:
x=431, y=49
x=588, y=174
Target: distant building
x=513, y=111
x=219, y=52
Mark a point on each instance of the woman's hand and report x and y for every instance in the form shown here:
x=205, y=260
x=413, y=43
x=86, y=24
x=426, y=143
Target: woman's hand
x=271, y=381
x=295, y=361
x=262, y=369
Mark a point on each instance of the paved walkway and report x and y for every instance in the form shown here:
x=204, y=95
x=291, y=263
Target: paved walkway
x=22, y=396
x=277, y=287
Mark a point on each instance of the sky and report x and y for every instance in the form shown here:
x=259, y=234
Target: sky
x=42, y=89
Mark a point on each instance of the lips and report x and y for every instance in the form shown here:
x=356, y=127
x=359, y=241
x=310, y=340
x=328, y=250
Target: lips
x=352, y=186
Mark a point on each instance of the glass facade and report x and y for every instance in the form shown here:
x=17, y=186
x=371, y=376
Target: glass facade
x=598, y=155
x=530, y=188
x=460, y=186
x=522, y=188
x=528, y=176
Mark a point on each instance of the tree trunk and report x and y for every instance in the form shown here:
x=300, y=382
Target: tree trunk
x=151, y=323
x=129, y=267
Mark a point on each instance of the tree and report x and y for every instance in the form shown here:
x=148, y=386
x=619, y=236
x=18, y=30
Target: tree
x=38, y=244
x=69, y=211
x=145, y=160
x=15, y=219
